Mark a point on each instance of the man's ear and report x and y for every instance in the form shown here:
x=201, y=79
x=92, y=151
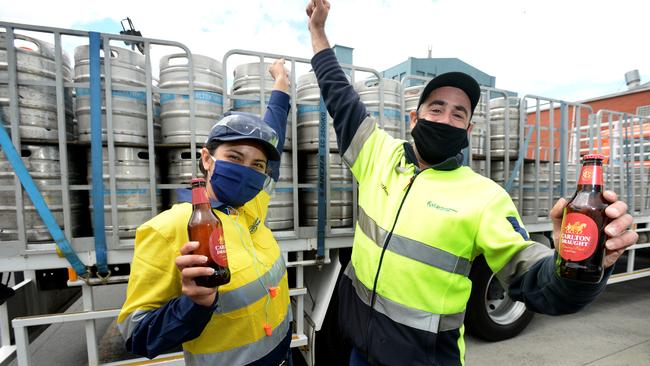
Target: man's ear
x=413, y=116
x=469, y=128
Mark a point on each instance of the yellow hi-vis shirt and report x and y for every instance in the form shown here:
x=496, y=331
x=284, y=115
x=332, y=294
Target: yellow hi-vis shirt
x=235, y=335
x=448, y=218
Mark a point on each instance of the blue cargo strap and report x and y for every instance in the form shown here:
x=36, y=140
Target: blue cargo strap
x=323, y=146
x=96, y=155
x=39, y=203
x=520, y=160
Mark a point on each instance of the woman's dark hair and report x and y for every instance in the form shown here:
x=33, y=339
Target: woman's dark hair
x=212, y=146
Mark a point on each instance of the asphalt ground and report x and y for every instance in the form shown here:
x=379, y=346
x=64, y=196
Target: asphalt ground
x=613, y=331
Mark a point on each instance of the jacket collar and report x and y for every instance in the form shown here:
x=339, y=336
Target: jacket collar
x=451, y=163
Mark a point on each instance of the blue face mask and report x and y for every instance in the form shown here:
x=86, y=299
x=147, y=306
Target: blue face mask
x=235, y=184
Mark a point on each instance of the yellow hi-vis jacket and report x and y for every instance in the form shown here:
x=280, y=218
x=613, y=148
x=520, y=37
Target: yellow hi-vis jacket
x=448, y=218
x=235, y=333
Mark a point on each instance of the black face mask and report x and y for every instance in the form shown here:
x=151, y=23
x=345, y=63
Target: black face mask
x=437, y=142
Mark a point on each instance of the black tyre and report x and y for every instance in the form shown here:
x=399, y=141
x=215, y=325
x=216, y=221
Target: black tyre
x=491, y=314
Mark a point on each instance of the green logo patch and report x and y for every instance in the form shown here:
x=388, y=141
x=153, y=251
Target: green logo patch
x=431, y=204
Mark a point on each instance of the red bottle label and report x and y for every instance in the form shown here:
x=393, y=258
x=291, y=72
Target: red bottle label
x=199, y=196
x=218, y=247
x=591, y=175
x=578, y=238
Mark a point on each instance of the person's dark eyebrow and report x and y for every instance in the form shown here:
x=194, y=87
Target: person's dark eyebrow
x=443, y=103
x=437, y=102
x=233, y=149
x=462, y=109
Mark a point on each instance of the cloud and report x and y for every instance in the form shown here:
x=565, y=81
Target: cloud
x=560, y=49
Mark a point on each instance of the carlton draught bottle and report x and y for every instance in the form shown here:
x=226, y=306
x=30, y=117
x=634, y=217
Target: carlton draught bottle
x=582, y=238
x=205, y=227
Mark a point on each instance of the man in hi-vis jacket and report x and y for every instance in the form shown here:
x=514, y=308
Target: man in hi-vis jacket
x=423, y=218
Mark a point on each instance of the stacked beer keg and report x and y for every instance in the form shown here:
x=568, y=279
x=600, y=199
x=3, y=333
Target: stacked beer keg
x=250, y=82
x=175, y=113
x=38, y=130
x=130, y=156
x=340, y=178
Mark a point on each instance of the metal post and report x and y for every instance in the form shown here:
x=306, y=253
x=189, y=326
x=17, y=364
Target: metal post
x=642, y=160
x=402, y=112
x=63, y=151
x=262, y=86
x=190, y=86
x=12, y=68
x=110, y=139
x=150, y=131
x=300, y=300
x=628, y=179
x=294, y=149
x=5, y=335
x=22, y=342
x=91, y=334
x=537, y=174
x=564, y=115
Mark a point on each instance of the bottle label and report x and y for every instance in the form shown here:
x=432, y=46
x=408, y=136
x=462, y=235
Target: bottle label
x=218, y=247
x=591, y=175
x=578, y=238
x=199, y=196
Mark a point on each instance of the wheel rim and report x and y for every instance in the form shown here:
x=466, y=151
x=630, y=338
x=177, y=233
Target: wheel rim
x=499, y=306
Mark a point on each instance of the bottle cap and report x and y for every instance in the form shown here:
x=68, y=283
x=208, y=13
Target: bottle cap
x=197, y=180
x=593, y=156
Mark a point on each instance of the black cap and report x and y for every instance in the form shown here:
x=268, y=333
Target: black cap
x=454, y=79
x=246, y=126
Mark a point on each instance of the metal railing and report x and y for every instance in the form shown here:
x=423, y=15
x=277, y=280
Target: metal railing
x=24, y=255
x=22, y=247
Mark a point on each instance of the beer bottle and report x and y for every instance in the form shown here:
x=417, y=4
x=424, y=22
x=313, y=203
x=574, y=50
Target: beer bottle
x=582, y=237
x=206, y=228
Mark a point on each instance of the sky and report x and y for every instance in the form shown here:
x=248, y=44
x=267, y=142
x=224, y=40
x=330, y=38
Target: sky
x=564, y=49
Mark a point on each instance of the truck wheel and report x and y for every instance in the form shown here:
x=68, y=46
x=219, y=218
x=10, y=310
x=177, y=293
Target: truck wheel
x=491, y=314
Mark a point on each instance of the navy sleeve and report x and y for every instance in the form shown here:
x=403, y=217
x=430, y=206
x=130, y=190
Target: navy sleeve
x=543, y=291
x=178, y=321
x=276, y=116
x=341, y=100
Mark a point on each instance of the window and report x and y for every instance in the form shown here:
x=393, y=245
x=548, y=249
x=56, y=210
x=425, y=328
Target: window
x=643, y=110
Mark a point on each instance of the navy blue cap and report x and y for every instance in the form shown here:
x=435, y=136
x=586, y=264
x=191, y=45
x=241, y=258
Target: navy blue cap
x=246, y=126
x=454, y=79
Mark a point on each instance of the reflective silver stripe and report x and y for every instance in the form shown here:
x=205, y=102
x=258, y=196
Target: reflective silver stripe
x=413, y=249
x=410, y=317
x=521, y=262
x=360, y=137
x=127, y=326
x=252, y=291
x=245, y=354
x=269, y=185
